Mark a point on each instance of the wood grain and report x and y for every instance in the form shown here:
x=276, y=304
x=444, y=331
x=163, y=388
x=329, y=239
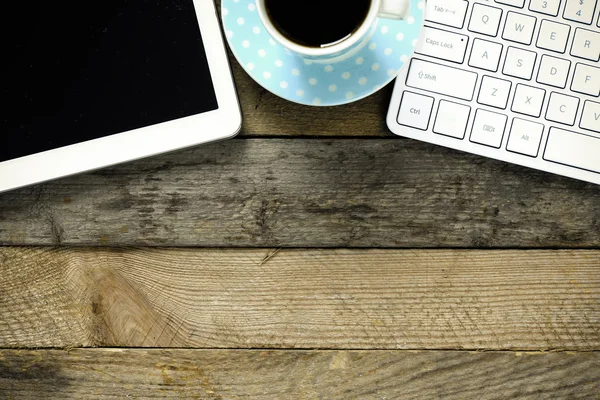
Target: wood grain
x=302, y=299
x=308, y=193
x=237, y=374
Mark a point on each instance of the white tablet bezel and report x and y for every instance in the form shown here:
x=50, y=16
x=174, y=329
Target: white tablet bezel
x=221, y=123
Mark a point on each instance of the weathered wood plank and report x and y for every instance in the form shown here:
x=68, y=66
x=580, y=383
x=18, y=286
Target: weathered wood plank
x=237, y=374
x=303, y=299
x=308, y=193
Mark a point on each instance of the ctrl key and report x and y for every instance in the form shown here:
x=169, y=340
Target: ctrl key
x=415, y=110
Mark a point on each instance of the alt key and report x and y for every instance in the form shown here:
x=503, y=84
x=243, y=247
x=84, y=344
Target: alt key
x=525, y=137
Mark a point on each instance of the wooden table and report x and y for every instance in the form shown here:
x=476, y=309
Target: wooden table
x=314, y=256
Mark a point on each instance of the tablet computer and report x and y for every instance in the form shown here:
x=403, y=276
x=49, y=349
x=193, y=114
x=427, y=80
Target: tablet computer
x=91, y=84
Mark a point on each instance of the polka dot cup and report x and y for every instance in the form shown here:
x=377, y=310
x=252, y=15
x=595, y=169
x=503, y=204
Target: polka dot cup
x=338, y=76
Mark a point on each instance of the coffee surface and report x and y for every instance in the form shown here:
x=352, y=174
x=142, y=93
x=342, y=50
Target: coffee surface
x=317, y=23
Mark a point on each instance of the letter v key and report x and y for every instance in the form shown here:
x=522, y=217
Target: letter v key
x=590, y=119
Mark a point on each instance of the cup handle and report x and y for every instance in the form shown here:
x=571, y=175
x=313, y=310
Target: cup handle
x=394, y=9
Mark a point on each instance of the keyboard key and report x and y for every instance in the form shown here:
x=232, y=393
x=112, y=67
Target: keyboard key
x=580, y=10
x=485, y=19
x=437, y=78
x=488, y=128
x=554, y=71
x=451, y=119
x=415, y=110
x=494, y=92
x=549, y=7
x=519, y=63
x=590, y=119
x=442, y=44
x=586, y=80
x=519, y=28
x=485, y=55
x=562, y=108
x=528, y=100
x=586, y=44
x=525, y=137
x=514, y=3
x=553, y=36
x=451, y=13
x=573, y=149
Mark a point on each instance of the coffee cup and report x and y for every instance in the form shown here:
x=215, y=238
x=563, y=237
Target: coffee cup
x=326, y=31
x=322, y=52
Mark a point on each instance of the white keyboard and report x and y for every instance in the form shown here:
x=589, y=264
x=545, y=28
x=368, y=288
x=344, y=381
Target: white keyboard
x=514, y=80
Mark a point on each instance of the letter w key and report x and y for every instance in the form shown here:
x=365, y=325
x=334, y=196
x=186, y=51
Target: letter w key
x=519, y=28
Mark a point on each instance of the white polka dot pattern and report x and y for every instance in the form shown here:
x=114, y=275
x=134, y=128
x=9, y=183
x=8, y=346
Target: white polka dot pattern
x=318, y=83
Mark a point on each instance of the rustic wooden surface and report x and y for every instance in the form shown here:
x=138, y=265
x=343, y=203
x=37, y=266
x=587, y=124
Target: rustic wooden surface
x=344, y=375
x=266, y=115
x=300, y=299
x=314, y=256
x=308, y=193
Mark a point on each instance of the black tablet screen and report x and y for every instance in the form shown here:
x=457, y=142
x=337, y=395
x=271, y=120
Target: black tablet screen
x=72, y=71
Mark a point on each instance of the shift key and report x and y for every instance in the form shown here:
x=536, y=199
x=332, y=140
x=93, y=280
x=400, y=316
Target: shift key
x=437, y=78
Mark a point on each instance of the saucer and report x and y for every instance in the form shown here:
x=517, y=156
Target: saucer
x=294, y=78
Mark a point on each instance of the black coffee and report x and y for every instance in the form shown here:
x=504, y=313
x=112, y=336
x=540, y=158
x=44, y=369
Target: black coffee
x=317, y=23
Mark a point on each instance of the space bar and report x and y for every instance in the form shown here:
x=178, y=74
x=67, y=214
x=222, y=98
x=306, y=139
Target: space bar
x=573, y=149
